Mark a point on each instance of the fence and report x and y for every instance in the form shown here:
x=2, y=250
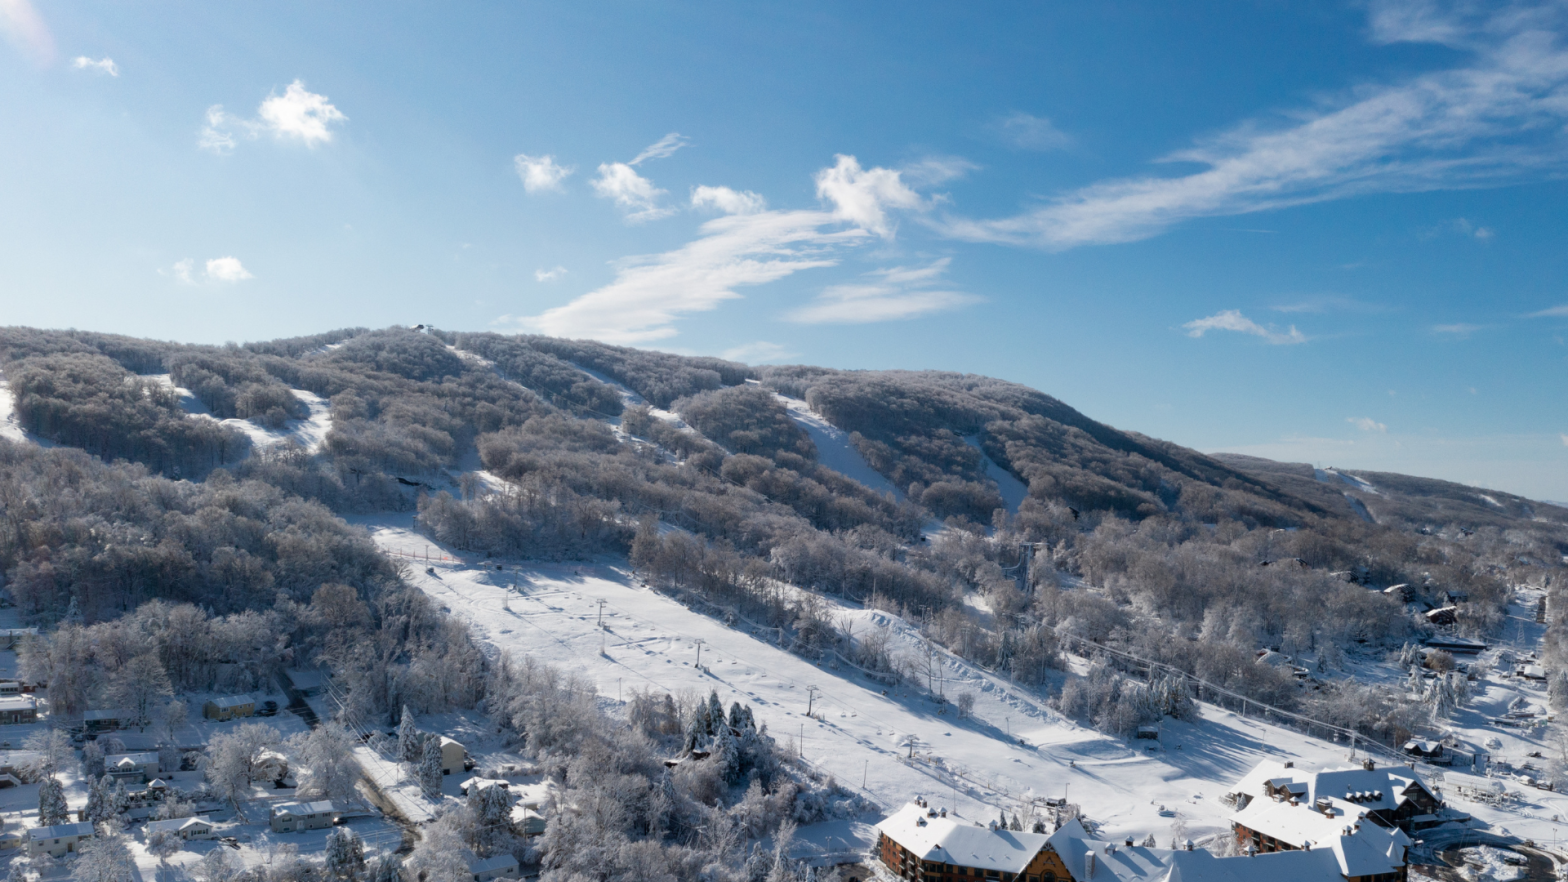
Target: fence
x=438, y=557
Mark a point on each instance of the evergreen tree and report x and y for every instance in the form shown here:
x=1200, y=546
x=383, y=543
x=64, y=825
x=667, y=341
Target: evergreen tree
x=51, y=803
x=430, y=769
x=345, y=854
x=100, y=799
x=408, y=747
x=386, y=869
x=491, y=808
x=119, y=800
x=715, y=712
x=1018, y=824
x=698, y=730
x=726, y=752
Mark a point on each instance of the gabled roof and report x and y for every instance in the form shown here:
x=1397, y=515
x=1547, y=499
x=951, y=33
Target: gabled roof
x=175, y=825
x=59, y=831
x=322, y=807
x=229, y=701
x=1119, y=862
x=1360, y=847
x=489, y=864
x=948, y=841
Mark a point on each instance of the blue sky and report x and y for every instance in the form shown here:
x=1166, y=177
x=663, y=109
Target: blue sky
x=1319, y=233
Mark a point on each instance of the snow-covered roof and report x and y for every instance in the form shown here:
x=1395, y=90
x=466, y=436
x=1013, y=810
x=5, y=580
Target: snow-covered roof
x=491, y=864
x=323, y=807
x=140, y=758
x=1367, y=789
x=175, y=825
x=1362, y=848
x=60, y=831
x=229, y=701
x=445, y=741
x=1138, y=864
x=112, y=713
x=18, y=702
x=947, y=841
x=477, y=783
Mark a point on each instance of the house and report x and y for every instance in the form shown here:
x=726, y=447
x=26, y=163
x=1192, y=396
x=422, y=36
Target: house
x=10, y=687
x=1530, y=672
x=1125, y=861
x=185, y=828
x=1455, y=644
x=291, y=817
x=10, y=637
x=305, y=682
x=477, y=784
x=134, y=767
x=108, y=720
x=59, y=840
x=919, y=842
x=1443, y=615
x=229, y=707
x=527, y=821
x=11, y=837
x=16, y=708
x=502, y=866
x=1430, y=751
x=453, y=755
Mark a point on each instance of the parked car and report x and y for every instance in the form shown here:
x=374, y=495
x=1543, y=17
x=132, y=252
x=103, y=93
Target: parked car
x=267, y=709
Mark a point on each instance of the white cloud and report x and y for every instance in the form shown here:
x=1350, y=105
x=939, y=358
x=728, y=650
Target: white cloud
x=734, y=251
x=227, y=269
x=1233, y=320
x=540, y=172
x=1564, y=436
x=634, y=193
x=1552, y=312
x=296, y=114
x=661, y=148
x=1031, y=132
x=1458, y=329
x=759, y=352
x=550, y=275
x=102, y=65
x=935, y=170
x=1366, y=424
x=182, y=271
x=300, y=114
x=889, y=295
x=1494, y=120
x=862, y=196
x=24, y=28
x=728, y=201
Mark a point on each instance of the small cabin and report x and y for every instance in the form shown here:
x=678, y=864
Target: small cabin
x=229, y=707
x=185, y=828
x=453, y=755
x=292, y=817
x=59, y=840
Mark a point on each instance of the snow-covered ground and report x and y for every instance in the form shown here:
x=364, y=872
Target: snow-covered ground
x=9, y=428
x=310, y=433
x=632, y=399
x=834, y=449
x=1015, y=746
x=1013, y=490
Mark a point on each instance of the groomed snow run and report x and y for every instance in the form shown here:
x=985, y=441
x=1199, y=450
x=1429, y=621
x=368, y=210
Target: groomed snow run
x=10, y=429
x=632, y=399
x=1013, y=490
x=834, y=449
x=309, y=433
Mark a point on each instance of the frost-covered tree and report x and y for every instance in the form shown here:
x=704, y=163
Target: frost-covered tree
x=232, y=758
x=966, y=704
x=430, y=769
x=441, y=855
x=92, y=760
x=140, y=684
x=18, y=871
x=326, y=753
x=409, y=748
x=726, y=754
x=345, y=854
x=169, y=758
x=698, y=730
x=491, y=808
x=104, y=858
x=388, y=868
x=51, y=803
x=172, y=718
x=100, y=799
x=119, y=799
x=49, y=749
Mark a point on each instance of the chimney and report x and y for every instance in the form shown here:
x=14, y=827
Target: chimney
x=1189, y=845
x=943, y=813
x=1306, y=846
x=1128, y=843
x=1088, y=865
x=1290, y=764
x=1369, y=765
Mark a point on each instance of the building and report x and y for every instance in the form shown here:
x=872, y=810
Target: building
x=453, y=755
x=229, y=707
x=59, y=840
x=477, y=784
x=10, y=637
x=292, y=817
x=1389, y=797
x=1103, y=861
x=108, y=720
x=18, y=708
x=134, y=767
x=11, y=687
x=919, y=842
x=305, y=682
x=502, y=866
x=185, y=828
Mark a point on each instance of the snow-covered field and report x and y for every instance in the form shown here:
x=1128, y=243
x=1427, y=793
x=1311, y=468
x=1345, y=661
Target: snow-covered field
x=9, y=428
x=1015, y=746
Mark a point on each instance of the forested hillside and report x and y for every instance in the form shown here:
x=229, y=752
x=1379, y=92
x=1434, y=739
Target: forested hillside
x=513, y=446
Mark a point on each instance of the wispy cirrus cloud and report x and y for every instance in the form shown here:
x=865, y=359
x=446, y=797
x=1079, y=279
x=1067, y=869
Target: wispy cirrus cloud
x=550, y=275
x=661, y=148
x=540, y=173
x=885, y=295
x=1551, y=312
x=1029, y=132
x=636, y=196
x=650, y=294
x=297, y=115
x=1325, y=303
x=728, y=201
x=1233, y=320
x=103, y=65
x=1367, y=424
x=1496, y=119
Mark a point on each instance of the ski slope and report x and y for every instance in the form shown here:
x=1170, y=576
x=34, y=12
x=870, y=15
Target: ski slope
x=834, y=449
x=1013, y=490
x=1014, y=748
x=10, y=429
x=632, y=399
x=310, y=432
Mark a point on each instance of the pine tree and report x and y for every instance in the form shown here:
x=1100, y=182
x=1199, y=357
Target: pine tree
x=737, y=717
x=715, y=712
x=345, y=854
x=408, y=748
x=51, y=803
x=727, y=754
x=386, y=869
x=100, y=799
x=1018, y=824
x=698, y=730
x=430, y=769
x=492, y=811
x=119, y=799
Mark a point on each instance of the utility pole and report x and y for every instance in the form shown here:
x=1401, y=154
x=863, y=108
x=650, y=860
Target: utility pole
x=699, y=642
x=867, y=770
x=811, y=694
x=602, y=602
